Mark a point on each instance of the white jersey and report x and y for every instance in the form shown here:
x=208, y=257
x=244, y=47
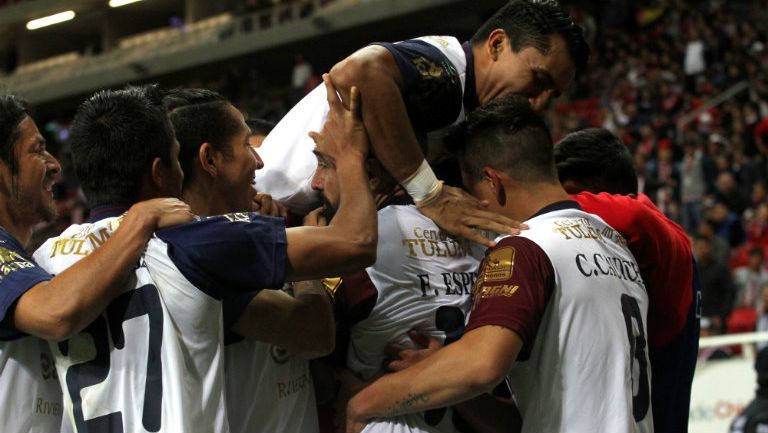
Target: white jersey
x=268, y=390
x=31, y=395
x=587, y=368
x=289, y=163
x=152, y=362
x=422, y=279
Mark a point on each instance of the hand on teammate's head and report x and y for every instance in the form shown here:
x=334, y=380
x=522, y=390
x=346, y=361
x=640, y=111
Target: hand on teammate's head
x=343, y=133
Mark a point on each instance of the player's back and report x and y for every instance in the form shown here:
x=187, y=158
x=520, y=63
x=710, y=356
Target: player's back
x=153, y=360
x=422, y=279
x=588, y=367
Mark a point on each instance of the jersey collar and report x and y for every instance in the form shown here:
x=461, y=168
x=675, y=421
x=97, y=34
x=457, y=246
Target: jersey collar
x=106, y=211
x=558, y=205
x=470, y=90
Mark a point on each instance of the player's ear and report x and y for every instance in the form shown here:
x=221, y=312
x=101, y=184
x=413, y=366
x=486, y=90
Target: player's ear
x=496, y=43
x=159, y=174
x=495, y=184
x=206, y=157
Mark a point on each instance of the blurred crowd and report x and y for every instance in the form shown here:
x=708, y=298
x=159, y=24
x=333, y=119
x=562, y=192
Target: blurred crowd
x=683, y=84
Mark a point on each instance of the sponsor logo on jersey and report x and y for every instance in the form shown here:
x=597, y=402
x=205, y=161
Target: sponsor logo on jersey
x=11, y=261
x=499, y=265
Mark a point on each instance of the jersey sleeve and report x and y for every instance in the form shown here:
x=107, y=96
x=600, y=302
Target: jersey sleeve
x=513, y=289
x=432, y=89
x=18, y=273
x=229, y=256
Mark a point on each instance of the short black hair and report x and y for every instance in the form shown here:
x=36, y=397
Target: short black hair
x=13, y=111
x=116, y=134
x=597, y=160
x=529, y=23
x=260, y=126
x=199, y=116
x=505, y=134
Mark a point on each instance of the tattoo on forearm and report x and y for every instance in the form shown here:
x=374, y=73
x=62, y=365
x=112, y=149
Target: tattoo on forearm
x=404, y=405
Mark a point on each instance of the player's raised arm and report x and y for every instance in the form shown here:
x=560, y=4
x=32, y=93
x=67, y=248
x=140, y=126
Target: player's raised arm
x=348, y=243
x=58, y=308
x=393, y=141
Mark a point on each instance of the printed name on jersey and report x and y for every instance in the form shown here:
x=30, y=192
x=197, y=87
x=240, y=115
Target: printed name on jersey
x=581, y=228
x=434, y=243
x=44, y=407
x=456, y=283
x=596, y=265
x=11, y=261
x=292, y=386
x=83, y=242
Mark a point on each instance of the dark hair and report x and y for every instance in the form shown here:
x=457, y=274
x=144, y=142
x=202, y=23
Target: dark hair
x=115, y=137
x=13, y=111
x=529, y=23
x=505, y=134
x=199, y=116
x=260, y=126
x=597, y=160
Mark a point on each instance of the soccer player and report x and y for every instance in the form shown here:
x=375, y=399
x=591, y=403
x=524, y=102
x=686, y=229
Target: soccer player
x=560, y=308
x=153, y=360
x=597, y=168
x=268, y=383
x=35, y=305
x=529, y=47
x=421, y=280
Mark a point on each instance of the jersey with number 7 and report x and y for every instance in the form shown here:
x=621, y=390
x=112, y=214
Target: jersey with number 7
x=153, y=361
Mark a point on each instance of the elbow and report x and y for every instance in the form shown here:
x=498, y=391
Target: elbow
x=58, y=326
x=365, y=249
x=363, y=68
x=488, y=376
x=319, y=327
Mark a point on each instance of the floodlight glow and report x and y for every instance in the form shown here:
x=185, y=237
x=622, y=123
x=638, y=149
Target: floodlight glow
x=50, y=20
x=118, y=3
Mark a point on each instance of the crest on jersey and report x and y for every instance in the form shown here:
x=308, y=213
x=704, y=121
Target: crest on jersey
x=499, y=265
x=279, y=354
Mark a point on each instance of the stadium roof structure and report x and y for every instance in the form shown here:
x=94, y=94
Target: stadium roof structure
x=134, y=53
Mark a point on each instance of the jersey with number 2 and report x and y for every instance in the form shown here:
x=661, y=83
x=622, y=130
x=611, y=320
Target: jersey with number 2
x=153, y=361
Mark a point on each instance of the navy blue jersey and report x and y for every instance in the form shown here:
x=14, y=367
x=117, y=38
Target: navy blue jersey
x=432, y=88
x=18, y=273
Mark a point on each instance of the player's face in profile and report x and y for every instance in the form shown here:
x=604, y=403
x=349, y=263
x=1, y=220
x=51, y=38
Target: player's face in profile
x=30, y=192
x=325, y=180
x=236, y=182
x=539, y=77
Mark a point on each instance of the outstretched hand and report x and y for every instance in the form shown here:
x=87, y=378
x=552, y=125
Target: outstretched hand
x=462, y=215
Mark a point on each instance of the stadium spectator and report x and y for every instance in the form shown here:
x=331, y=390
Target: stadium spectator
x=717, y=290
x=750, y=280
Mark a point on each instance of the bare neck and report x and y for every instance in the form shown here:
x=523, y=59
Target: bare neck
x=201, y=198
x=21, y=231
x=525, y=202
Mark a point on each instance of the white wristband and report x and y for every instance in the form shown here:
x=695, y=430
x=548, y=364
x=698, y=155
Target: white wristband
x=422, y=183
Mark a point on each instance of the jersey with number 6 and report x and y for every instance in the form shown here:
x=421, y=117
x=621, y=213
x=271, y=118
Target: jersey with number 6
x=421, y=280
x=572, y=291
x=153, y=361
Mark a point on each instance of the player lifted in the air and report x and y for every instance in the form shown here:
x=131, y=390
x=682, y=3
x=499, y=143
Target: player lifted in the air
x=529, y=47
